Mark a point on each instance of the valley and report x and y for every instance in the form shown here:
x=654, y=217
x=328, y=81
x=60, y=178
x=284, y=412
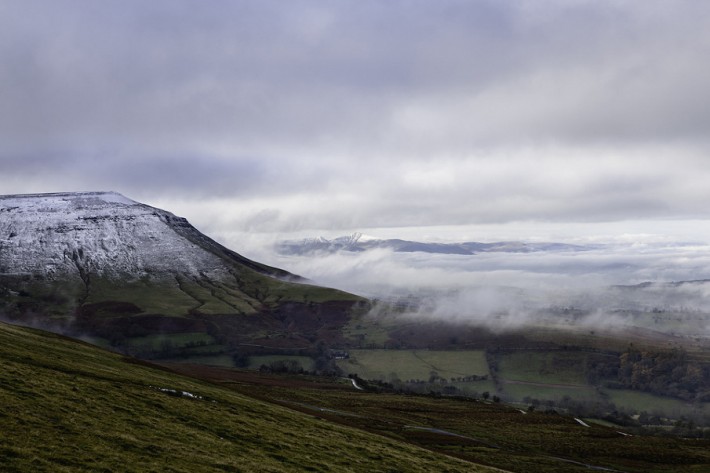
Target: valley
x=566, y=387
x=354, y=236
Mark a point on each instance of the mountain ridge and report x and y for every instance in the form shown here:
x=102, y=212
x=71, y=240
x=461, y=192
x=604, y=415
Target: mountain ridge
x=103, y=265
x=75, y=213
x=357, y=242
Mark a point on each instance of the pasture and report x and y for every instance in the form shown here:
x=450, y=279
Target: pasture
x=415, y=364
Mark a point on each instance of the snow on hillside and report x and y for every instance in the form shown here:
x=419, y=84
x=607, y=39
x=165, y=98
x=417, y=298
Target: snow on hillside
x=102, y=232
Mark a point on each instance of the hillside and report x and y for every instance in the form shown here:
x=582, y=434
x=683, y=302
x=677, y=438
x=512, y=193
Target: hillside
x=141, y=281
x=68, y=406
x=106, y=233
x=99, y=264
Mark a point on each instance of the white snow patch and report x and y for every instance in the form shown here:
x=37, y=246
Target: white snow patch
x=364, y=237
x=115, y=198
x=175, y=392
x=581, y=422
x=355, y=385
x=101, y=232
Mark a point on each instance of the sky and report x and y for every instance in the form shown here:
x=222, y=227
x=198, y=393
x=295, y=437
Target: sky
x=311, y=117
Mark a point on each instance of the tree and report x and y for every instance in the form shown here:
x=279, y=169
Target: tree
x=240, y=360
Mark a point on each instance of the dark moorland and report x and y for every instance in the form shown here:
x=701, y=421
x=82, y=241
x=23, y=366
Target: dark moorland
x=69, y=406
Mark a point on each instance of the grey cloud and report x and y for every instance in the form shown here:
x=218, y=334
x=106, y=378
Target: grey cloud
x=159, y=175
x=401, y=113
x=275, y=69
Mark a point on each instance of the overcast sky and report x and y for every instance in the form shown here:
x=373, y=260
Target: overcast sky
x=311, y=116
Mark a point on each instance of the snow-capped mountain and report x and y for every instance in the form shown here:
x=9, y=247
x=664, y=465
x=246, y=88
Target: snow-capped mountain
x=100, y=264
x=60, y=235
x=357, y=242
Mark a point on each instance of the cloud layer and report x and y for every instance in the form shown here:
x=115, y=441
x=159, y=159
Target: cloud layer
x=661, y=286
x=286, y=116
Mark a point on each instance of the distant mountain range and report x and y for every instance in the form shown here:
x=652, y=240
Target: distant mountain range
x=358, y=242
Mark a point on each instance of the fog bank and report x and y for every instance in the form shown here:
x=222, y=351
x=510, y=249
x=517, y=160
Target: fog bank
x=647, y=281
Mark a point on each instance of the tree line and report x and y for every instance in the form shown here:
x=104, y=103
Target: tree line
x=668, y=373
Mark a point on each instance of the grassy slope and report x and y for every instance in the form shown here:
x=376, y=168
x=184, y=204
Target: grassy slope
x=247, y=293
x=68, y=406
x=220, y=313
x=242, y=291
x=482, y=432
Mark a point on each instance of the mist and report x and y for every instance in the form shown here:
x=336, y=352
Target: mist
x=619, y=283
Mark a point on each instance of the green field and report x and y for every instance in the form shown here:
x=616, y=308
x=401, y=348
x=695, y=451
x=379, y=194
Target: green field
x=224, y=361
x=178, y=340
x=664, y=406
x=255, y=362
x=548, y=367
x=366, y=331
x=414, y=364
x=475, y=388
x=542, y=392
x=543, y=375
